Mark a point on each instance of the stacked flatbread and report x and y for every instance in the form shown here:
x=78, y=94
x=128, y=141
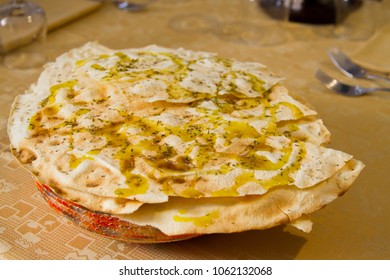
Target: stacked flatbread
x=185, y=142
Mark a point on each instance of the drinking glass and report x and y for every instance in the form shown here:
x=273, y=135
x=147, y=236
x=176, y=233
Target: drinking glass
x=22, y=29
x=356, y=19
x=132, y=5
x=192, y=15
x=255, y=22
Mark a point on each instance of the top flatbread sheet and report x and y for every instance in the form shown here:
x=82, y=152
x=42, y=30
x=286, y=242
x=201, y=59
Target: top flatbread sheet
x=143, y=125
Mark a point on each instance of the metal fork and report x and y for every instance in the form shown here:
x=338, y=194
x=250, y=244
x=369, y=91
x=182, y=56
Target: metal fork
x=345, y=89
x=350, y=68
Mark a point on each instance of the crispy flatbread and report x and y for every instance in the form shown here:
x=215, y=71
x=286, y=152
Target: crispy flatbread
x=144, y=132
x=109, y=205
x=281, y=205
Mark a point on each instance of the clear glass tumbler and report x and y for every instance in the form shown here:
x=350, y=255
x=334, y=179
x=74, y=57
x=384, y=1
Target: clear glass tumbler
x=256, y=22
x=356, y=19
x=22, y=30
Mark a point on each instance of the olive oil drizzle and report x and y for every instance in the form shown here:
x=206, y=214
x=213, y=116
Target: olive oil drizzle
x=201, y=221
x=51, y=99
x=283, y=178
x=203, y=131
x=124, y=71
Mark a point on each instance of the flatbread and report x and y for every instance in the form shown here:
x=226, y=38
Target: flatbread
x=223, y=215
x=109, y=205
x=129, y=132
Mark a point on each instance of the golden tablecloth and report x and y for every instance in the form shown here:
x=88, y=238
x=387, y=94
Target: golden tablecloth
x=356, y=226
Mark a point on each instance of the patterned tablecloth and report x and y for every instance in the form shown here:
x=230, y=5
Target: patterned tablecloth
x=355, y=226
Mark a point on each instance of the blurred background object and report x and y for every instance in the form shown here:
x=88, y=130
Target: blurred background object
x=356, y=20
x=256, y=22
x=22, y=29
x=313, y=11
x=132, y=5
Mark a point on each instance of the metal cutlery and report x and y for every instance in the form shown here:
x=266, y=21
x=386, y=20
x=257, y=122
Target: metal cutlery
x=350, y=68
x=345, y=89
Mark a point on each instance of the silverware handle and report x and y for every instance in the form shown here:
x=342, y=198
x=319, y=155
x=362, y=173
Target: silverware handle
x=381, y=89
x=378, y=77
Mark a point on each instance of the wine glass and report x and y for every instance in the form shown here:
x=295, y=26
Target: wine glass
x=132, y=5
x=255, y=22
x=128, y=5
x=22, y=29
x=193, y=16
x=356, y=19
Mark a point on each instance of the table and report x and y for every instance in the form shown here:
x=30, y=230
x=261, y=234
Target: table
x=356, y=226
